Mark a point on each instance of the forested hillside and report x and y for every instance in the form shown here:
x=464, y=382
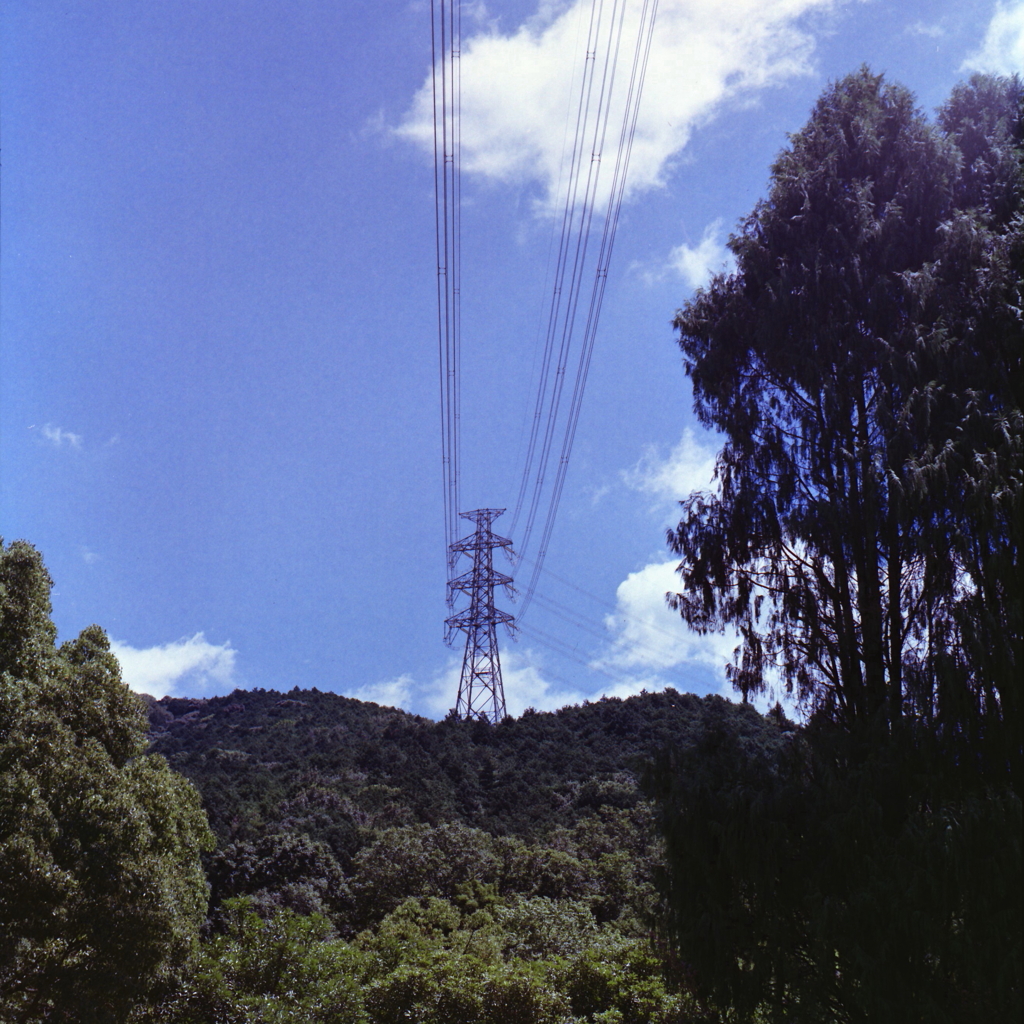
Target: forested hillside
x=369, y=867
x=333, y=767
x=462, y=858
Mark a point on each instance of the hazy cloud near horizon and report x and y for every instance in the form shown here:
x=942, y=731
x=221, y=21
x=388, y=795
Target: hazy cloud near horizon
x=522, y=677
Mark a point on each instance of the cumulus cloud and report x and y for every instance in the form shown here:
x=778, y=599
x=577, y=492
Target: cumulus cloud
x=189, y=666
x=526, y=686
x=650, y=638
x=59, y=438
x=517, y=89
x=1002, y=50
x=649, y=644
x=689, y=466
x=649, y=641
x=696, y=265
x=653, y=647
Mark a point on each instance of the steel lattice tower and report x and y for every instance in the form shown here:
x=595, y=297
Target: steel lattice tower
x=481, y=693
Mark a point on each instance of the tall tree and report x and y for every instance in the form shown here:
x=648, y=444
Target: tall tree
x=968, y=474
x=101, y=888
x=863, y=365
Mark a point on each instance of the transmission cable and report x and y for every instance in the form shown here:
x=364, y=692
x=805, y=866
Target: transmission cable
x=596, y=300
x=574, y=243
x=570, y=217
x=445, y=44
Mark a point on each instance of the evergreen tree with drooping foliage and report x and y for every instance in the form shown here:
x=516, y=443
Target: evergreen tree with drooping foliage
x=863, y=365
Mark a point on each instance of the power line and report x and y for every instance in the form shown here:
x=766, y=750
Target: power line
x=547, y=398
x=565, y=650
x=613, y=608
x=594, y=106
x=563, y=315
x=596, y=629
x=575, y=235
x=445, y=46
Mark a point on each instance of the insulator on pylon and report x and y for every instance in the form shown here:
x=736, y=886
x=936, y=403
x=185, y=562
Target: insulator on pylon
x=481, y=692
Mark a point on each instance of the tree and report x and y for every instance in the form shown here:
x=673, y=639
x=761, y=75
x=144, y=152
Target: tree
x=863, y=364
x=281, y=869
x=285, y=968
x=101, y=889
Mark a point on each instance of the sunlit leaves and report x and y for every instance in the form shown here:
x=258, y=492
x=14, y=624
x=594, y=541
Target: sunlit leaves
x=99, y=843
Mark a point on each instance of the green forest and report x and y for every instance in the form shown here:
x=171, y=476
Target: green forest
x=300, y=856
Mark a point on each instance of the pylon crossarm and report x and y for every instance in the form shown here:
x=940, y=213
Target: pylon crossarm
x=472, y=579
x=471, y=545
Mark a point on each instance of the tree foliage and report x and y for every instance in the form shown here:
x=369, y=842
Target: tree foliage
x=463, y=871
x=99, y=842
x=863, y=365
x=430, y=960
x=837, y=876
x=342, y=771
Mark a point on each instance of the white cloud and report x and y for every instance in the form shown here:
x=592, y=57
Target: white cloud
x=517, y=88
x=526, y=687
x=649, y=641
x=690, y=466
x=696, y=265
x=58, y=438
x=1002, y=50
x=650, y=646
x=650, y=638
x=655, y=648
x=390, y=693
x=191, y=665
x=431, y=698
x=89, y=557
x=522, y=678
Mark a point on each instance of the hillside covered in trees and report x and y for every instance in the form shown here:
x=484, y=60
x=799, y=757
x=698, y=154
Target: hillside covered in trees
x=366, y=865
x=534, y=833
x=263, y=756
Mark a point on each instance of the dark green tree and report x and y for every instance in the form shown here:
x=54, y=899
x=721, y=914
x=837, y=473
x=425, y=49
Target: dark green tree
x=101, y=888
x=863, y=365
x=851, y=364
x=280, y=870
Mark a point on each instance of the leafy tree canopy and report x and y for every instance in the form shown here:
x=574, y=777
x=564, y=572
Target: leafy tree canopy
x=101, y=888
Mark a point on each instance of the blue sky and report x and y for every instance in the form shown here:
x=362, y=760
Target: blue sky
x=219, y=412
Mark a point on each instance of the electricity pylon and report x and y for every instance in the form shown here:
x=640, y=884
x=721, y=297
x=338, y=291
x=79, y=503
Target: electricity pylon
x=481, y=693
